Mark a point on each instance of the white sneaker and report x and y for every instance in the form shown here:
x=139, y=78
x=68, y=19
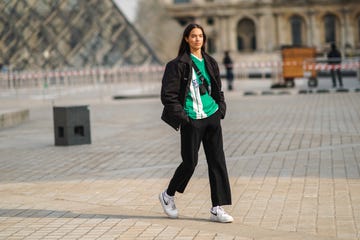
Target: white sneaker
x=218, y=214
x=168, y=205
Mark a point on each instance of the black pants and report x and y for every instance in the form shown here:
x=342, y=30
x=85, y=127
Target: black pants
x=230, y=78
x=208, y=131
x=338, y=73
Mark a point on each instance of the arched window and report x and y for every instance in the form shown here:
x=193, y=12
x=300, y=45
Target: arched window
x=240, y=43
x=181, y=1
x=246, y=35
x=210, y=42
x=330, y=28
x=297, y=26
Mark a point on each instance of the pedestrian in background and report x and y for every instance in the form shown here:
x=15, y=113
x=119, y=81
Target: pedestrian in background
x=334, y=59
x=228, y=63
x=194, y=103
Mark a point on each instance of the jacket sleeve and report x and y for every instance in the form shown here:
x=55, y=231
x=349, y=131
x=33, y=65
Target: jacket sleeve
x=220, y=99
x=173, y=112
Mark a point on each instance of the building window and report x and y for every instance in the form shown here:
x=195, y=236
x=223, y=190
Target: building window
x=330, y=28
x=181, y=1
x=185, y=20
x=210, y=42
x=240, y=43
x=297, y=30
x=246, y=35
x=210, y=21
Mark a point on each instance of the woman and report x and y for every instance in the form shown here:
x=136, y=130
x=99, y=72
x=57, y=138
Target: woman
x=193, y=101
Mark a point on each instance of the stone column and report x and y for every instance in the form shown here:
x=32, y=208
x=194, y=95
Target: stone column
x=276, y=30
x=280, y=26
x=311, y=28
x=348, y=33
x=316, y=39
x=260, y=35
x=223, y=30
x=232, y=37
x=228, y=33
x=268, y=30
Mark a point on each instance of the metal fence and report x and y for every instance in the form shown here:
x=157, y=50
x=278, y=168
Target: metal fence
x=79, y=77
x=146, y=75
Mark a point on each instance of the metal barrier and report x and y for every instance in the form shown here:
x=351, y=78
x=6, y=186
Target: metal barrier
x=273, y=69
x=321, y=64
x=147, y=75
x=80, y=77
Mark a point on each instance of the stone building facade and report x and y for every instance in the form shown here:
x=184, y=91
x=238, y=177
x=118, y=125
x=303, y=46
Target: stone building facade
x=258, y=29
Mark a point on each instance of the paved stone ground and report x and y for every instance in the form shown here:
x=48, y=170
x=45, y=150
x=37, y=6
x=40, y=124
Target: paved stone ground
x=293, y=160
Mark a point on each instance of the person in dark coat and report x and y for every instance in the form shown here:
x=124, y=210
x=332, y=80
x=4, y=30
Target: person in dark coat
x=334, y=59
x=194, y=103
x=227, y=61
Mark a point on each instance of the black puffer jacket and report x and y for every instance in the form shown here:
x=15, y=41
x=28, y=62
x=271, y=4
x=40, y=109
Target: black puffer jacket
x=176, y=84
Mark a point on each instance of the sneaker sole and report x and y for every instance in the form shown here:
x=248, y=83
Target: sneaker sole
x=215, y=219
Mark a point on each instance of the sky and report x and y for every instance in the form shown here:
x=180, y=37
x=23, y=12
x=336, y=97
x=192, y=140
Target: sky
x=128, y=7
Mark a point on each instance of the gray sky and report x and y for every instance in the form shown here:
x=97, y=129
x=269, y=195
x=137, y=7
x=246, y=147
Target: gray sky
x=128, y=7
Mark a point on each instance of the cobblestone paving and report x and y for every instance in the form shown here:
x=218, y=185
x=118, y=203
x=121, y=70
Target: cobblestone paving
x=293, y=160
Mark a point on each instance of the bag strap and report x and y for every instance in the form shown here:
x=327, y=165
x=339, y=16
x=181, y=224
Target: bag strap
x=202, y=78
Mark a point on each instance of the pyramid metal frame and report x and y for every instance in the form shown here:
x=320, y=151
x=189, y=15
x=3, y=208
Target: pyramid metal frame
x=53, y=34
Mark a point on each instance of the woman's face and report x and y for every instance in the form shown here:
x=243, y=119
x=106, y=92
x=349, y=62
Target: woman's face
x=195, y=39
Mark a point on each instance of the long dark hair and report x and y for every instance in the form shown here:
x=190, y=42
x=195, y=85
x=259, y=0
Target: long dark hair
x=184, y=46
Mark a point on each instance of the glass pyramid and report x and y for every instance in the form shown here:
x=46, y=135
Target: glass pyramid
x=58, y=34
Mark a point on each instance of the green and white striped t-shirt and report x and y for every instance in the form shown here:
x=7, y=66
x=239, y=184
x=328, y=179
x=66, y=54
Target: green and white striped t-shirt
x=199, y=106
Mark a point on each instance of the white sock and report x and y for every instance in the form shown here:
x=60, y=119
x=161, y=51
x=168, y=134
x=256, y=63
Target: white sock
x=214, y=209
x=167, y=196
